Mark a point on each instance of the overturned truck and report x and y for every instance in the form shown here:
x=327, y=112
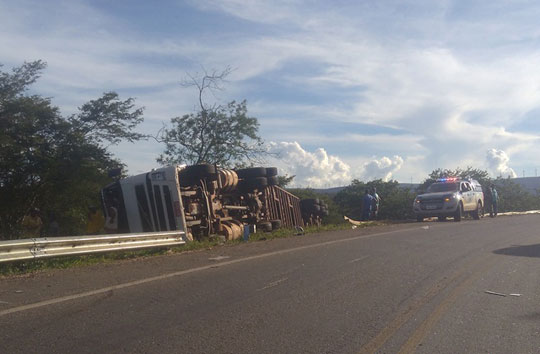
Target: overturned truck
x=201, y=200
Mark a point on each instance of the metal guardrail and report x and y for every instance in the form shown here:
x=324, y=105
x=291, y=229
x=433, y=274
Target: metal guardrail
x=33, y=248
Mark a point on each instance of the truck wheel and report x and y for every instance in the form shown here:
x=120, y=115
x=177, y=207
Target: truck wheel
x=442, y=218
x=251, y=172
x=276, y=224
x=476, y=213
x=310, y=201
x=419, y=219
x=249, y=185
x=192, y=174
x=459, y=212
x=272, y=180
x=264, y=226
x=271, y=171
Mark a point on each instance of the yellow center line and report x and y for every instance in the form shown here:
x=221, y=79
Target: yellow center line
x=416, y=338
x=386, y=333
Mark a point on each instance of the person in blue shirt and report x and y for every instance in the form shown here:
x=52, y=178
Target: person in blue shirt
x=367, y=201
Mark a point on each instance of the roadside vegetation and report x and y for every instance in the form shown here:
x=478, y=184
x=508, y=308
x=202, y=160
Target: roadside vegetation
x=31, y=266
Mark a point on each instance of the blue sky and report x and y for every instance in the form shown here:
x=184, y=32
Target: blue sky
x=342, y=89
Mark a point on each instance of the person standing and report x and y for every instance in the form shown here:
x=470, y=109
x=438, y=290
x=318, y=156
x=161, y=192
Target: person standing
x=111, y=221
x=95, y=221
x=494, y=201
x=488, y=205
x=375, y=203
x=32, y=224
x=53, y=229
x=367, y=202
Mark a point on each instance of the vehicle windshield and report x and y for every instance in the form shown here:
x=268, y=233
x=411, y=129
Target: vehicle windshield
x=442, y=187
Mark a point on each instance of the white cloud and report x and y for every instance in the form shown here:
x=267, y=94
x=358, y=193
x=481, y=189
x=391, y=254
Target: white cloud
x=453, y=79
x=312, y=169
x=498, y=163
x=382, y=168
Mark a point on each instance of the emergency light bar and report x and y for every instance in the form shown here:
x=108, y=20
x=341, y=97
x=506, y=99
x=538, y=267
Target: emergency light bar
x=449, y=179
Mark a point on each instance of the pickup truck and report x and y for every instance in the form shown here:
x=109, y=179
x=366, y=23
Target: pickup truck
x=450, y=197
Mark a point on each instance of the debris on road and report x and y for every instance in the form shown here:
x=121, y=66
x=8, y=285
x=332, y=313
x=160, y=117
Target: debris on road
x=425, y=227
x=517, y=295
x=18, y=291
x=494, y=293
x=218, y=258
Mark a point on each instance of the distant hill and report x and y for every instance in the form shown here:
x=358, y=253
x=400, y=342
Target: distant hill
x=530, y=184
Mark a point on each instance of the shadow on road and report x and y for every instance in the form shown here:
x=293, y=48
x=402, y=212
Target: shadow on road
x=521, y=251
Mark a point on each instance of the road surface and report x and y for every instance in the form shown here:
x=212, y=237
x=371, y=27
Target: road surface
x=421, y=287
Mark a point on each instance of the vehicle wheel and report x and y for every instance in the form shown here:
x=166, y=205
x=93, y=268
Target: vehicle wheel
x=264, y=226
x=272, y=180
x=248, y=185
x=476, y=213
x=251, y=172
x=276, y=224
x=310, y=201
x=271, y=171
x=191, y=174
x=419, y=219
x=459, y=212
x=442, y=218
x=314, y=208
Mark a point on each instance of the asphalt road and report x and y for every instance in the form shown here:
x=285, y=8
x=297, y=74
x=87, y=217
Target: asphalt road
x=401, y=288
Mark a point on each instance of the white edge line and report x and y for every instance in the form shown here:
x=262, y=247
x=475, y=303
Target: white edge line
x=182, y=272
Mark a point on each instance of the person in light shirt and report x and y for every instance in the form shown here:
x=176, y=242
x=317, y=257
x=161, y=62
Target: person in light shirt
x=32, y=224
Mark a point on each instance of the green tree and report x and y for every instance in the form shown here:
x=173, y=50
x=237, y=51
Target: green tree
x=284, y=181
x=108, y=120
x=48, y=161
x=215, y=134
x=512, y=197
x=396, y=202
x=481, y=176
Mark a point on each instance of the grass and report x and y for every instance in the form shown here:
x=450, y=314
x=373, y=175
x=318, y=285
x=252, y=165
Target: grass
x=35, y=265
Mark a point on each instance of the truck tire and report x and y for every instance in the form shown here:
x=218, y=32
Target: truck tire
x=271, y=171
x=192, y=174
x=276, y=224
x=442, y=218
x=249, y=185
x=310, y=201
x=476, y=212
x=272, y=180
x=419, y=219
x=458, y=213
x=264, y=226
x=251, y=172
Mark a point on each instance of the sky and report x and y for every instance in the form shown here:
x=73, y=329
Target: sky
x=342, y=89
